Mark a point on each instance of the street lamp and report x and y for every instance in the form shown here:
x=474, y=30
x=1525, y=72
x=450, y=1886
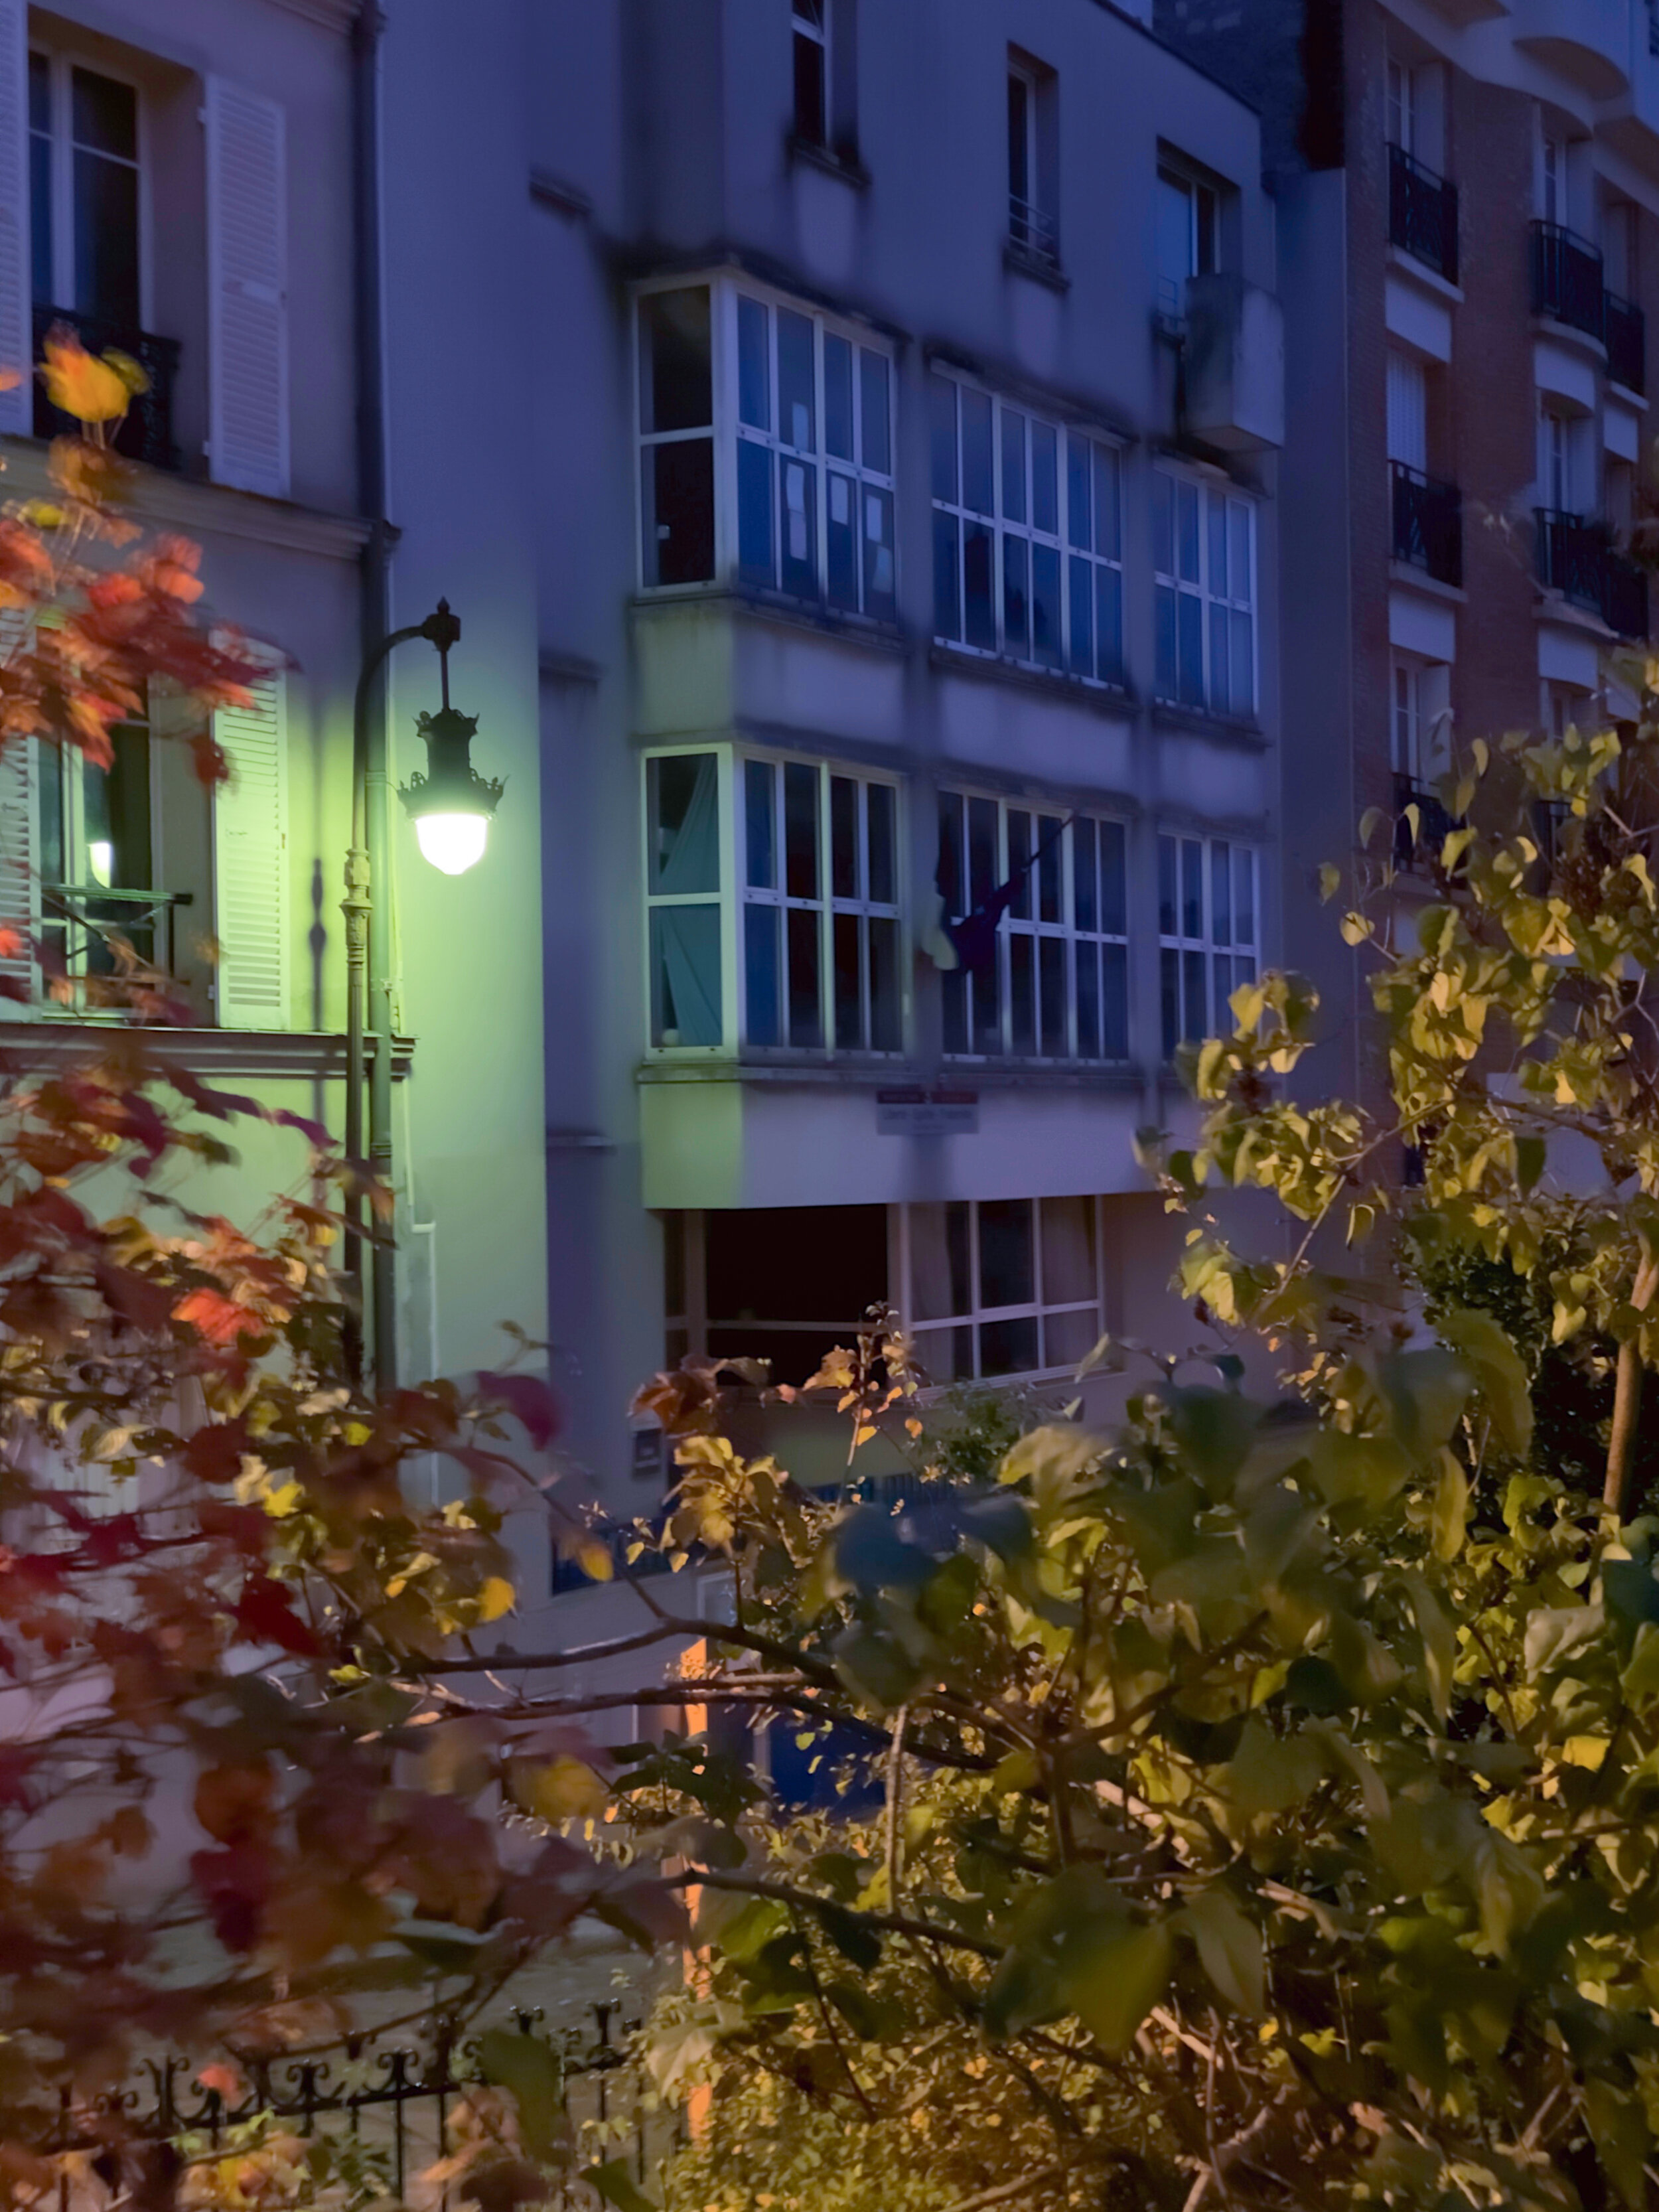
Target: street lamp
x=451, y=806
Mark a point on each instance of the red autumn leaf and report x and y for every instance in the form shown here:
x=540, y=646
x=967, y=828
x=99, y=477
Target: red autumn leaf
x=530, y=1401
x=208, y=759
x=217, y=1318
x=266, y=1612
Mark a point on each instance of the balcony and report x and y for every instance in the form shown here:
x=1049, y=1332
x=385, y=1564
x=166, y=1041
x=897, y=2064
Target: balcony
x=1625, y=334
x=1422, y=214
x=1588, y=40
x=1435, y=824
x=93, y=936
x=146, y=433
x=1033, y=233
x=1576, y=558
x=1567, y=279
x=1428, y=524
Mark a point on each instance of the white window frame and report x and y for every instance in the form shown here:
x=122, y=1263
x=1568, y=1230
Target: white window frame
x=1097, y=946
x=1203, y=231
x=725, y=432
x=64, y=61
x=1179, y=948
x=1402, y=105
x=720, y=898
x=1104, y=455
x=1040, y=1308
x=1176, y=586
x=827, y=905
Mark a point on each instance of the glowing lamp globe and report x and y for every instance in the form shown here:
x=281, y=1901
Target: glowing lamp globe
x=451, y=806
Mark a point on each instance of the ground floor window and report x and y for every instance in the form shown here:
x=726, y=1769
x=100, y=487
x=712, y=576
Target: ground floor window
x=1003, y=1286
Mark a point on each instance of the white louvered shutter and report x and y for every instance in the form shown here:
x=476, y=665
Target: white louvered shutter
x=247, y=287
x=19, y=872
x=250, y=861
x=16, y=323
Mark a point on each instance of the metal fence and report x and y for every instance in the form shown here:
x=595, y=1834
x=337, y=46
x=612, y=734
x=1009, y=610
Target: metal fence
x=387, y=2109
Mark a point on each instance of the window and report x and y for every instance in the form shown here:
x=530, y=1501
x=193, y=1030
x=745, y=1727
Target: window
x=801, y=415
x=96, y=859
x=1402, y=106
x=814, y=461
x=1058, y=988
x=1419, y=711
x=1204, y=564
x=788, y=1284
x=1408, y=410
x=808, y=956
x=1188, y=242
x=820, y=908
x=1002, y=1286
x=1027, y=547
x=1556, y=473
x=811, y=30
x=84, y=191
x=1206, y=921
x=1032, y=227
x=1619, y=495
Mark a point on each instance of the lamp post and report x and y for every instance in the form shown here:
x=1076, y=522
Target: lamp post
x=451, y=807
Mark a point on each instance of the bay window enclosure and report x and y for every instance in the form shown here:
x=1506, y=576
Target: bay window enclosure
x=1027, y=536
x=1204, y=568
x=1208, y=925
x=1002, y=1286
x=1057, y=987
x=766, y=449
x=773, y=906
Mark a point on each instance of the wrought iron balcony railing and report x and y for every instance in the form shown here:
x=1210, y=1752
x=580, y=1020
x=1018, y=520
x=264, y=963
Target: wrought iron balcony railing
x=1566, y=278
x=1576, y=558
x=1033, y=232
x=146, y=434
x=1625, y=336
x=1422, y=214
x=1420, y=849
x=83, y=925
x=1428, y=524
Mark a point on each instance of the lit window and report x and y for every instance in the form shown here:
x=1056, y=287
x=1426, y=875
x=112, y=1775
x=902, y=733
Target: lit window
x=811, y=32
x=1057, y=986
x=1027, y=546
x=1003, y=1286
x=1207, y=930
x=1187, y=235
x=815, y=499
x=1204, y=565
x=97, y=888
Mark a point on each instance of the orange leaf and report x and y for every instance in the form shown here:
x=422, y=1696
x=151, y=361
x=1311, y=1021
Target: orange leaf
x=87, y=389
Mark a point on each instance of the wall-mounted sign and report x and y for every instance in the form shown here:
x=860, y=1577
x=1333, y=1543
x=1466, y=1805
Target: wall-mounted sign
x=915, y=1112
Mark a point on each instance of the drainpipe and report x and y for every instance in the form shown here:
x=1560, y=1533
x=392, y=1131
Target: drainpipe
x=371, y=842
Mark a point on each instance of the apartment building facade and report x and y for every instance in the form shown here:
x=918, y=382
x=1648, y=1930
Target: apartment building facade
x=899, y=391
x=1468, y=224
x=186, y=180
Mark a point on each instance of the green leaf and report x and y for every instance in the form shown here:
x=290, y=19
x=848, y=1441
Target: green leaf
x=875, y=1667
x=531, y=2069
x=1498, y=1373
x=1439, y=1642
x=1115, y=1976
x=1620, y=2130
x=616, y=2185
x=1229, y=1946
x=1450, y=1514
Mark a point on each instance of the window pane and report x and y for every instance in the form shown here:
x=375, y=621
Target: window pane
x=1069, y=1338
x=879, y=599
x=952, y=875
x=947, y=583
x=879, y=808
x=1217, y=535
x=1244, y=896
x=942, y=429
x=955, y=1011
x=1007, y=1274
x=1166, y=676
x=1107, y=527
x=976, y=491
x=1220, y=690
x=1190, y=649
x=1048, y=871
x=1174, y=241
x=840, y=540
x=683, y=796
x=1084, y=905
x=1108, y=625
x=1169, y=1000
x=763, y=1003
x=844, y=836
x=1115, y=1002
x=1221, y=980
x=946, y=1355
x=980, y=624
x=1088, y=1002
x=1022, y=993
x=1016, y=598
x=1013, y=465
x=1242, y=633
x=1113, y=880
x=105, y=238
x=837, y=396
x=755, y=557
x=1194, y=1014
x=1008, y=1347
x=1166, y=886
x=795, y=411
x=1192, y=888
x=1019, y=853
x=1163, y=523
x=685, y=975
x=40, y=177
x=886, y=1033
x=104, y=114
x=810, y=104
x=1054, y=1026
x=1019, y=138
x=876, y=411
x=675, y=389
x=805, y=1017
x=1045, y=605
x=1068, y=1251
x=797, y=484
x=1045, y=479
x=679, y=512
x=754, y=369
x=982, y=854
x=986, y=1009
x=1221, y=897
x=800, y=830
x=1080, y=524
x=1238, y=532
x=941, y=1285
x=760, y=824
x=1081, y=580
x=848, y=963
x=1186, y=531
